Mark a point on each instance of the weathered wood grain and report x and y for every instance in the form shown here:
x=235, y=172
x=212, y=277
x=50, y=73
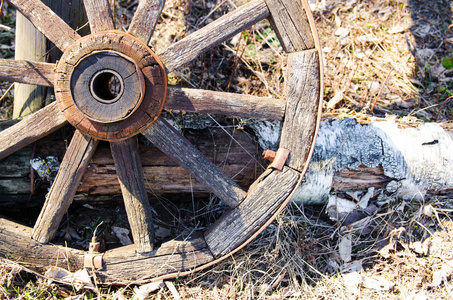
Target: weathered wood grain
x=61, y=194
x=28, y=98
x=28, y=72
x=150, y=66
x=16, y=245
x=213, y=34
x=122, y=265
x=360, y=179
x=14, y=173
x=100, y=15
x=238, y=105
x=31, y=129
x=130, y=175
x=239, y=224
x=301, y=117
x=172, y=143
x=145, y=19
x=168, y=180
x=66, y=11
x=96, y=97
x=47, y=22
x=163, y=175
x=290, y=20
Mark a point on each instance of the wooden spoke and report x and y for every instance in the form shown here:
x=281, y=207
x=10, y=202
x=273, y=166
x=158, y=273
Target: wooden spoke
x=100, y=15
x=31, y=129
x=145, y=19
x=74, y=164
x=238, y=105
x=292, y=24
x=303, y=107
x=130, y=175
x=28, y=72
x=46, y=21
x=172, y=143
x=213, y=34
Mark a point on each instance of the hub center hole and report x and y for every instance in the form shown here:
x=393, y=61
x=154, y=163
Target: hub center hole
x=107, y=86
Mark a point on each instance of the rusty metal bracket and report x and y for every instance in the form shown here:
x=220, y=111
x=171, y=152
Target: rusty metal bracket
x=278, y=158
x=93, y=259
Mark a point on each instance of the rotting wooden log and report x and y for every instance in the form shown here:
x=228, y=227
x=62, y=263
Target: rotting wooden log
x=361, y=178
x=213, y=34
x=172, y=143
x=15, y=240
x=14, y=173
x=145, y=19
x=301, y=106
x=237, y=225
x=61, y=194
x=342, y=162
x=290, y=20
x=163, y=175
x=130, y=175
x=230, y=104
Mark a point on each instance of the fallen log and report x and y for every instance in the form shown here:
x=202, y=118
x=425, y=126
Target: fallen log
x=394, y=157
x=399, y=158
x=240, y=160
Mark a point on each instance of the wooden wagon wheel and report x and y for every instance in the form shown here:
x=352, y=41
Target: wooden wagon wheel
x=83, y=86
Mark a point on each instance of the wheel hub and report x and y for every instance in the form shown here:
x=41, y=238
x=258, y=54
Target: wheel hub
x=110, y=85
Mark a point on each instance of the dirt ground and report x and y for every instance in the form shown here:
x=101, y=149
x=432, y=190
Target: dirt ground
x=388, y=57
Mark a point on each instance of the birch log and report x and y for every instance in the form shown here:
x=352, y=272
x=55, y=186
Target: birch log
x=397, y=158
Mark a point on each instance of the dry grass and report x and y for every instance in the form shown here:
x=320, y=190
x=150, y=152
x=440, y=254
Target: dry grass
x=385, y=57
x=299, y=257
x=381, y=57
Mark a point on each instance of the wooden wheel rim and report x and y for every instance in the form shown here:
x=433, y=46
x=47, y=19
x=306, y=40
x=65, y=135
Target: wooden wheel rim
x=244, y=221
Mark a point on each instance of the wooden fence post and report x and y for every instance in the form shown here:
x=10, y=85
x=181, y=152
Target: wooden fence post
x=32, y=45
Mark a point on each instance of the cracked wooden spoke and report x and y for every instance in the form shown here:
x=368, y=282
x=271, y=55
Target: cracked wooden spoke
x=31, y=129
x=130, y=175
x=172, y=143
x=28, y=72
x=145, y=19
x=74, y=164
x=47, y=22
x=230, y=104
x=213, y=34
x=100, y=15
